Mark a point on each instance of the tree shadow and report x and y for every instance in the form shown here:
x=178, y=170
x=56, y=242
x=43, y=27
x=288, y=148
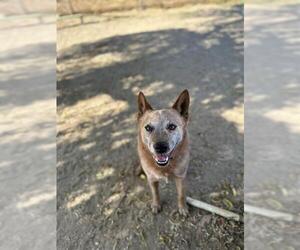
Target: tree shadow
x=273, y=89
x=27, y=139
x=97, y=87
x=272, y=122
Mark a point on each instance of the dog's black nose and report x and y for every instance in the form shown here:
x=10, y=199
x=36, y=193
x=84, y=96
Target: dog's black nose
x=161, y=147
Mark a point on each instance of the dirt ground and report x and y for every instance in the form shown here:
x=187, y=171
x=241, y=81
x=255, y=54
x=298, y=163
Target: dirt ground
x=272, y=142
x=28, y=133
x=103, y=61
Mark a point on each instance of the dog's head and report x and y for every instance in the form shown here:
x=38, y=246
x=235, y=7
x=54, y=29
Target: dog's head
x=162, y=130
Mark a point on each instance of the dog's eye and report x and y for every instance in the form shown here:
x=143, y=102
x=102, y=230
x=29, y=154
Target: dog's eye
x=149, y=128
x=171, y=126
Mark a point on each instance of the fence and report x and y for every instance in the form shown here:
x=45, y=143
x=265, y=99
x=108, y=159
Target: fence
x=65, y=7
x=24, y=7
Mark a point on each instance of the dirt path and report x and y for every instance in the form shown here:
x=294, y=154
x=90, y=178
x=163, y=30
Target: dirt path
x=102, y=64
x=272, y=141
x=28, y=130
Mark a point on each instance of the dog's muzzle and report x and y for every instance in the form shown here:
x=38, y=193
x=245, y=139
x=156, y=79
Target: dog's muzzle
x=162, y=159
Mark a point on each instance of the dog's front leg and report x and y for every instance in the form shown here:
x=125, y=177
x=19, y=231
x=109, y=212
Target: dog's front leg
x=180, y=186
x=155, y=206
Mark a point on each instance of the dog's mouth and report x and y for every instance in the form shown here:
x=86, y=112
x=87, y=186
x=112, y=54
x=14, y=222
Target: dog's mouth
x=161, y=159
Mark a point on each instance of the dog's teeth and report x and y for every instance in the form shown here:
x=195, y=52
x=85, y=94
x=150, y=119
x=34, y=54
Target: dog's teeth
x=162, y=161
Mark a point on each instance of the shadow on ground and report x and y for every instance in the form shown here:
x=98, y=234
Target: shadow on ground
x=101, y=205
x=273, y=123
x=28, y=153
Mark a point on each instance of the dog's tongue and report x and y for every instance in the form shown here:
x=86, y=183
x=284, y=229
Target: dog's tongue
x=161, y=158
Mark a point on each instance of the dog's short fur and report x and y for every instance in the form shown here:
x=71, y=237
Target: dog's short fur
x=163, y=146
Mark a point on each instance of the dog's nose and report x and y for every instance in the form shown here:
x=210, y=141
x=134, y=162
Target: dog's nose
x=161, y=147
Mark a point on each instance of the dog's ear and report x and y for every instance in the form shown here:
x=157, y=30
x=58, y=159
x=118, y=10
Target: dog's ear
x=182, y=104
x=143, y=104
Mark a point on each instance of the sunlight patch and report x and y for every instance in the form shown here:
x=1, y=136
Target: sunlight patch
x=94, y=106
x=131, y=81
x=255, y=98
x=48, y=146
x=138, y=189
x=120, y=143
x=236, y=116
x=108, y=211
x=88, y=146
x=81, y=198
x=107, y=59
x=36, y=200
x=104, y=172
x=4, y=164
x=290, y=116
x=113, y=198
x=122, y=132
x=153, y=88
x=94, y=109
x=213, y=98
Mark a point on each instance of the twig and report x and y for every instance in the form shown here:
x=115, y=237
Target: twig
x=213, y=209
x=271, y=213
x=247, y=208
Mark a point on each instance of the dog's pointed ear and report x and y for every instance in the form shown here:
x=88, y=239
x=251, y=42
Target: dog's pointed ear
x=143, y=104
x=182, y=104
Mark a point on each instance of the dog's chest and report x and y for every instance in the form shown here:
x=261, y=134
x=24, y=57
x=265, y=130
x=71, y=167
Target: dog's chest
x=157, y=174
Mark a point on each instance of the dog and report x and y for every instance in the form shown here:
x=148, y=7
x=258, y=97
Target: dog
x=163, y=146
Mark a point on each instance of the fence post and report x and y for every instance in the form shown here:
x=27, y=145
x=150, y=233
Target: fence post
x=141, y=4
x=71, y=6
x=23, y=7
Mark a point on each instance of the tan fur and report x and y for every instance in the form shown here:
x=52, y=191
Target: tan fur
x=179, y=157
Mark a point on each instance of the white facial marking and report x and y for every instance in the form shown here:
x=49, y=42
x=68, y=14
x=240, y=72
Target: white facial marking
x=159, y=120
x=175, y=138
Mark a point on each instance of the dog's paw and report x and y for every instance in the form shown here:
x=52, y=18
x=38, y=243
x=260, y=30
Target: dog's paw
x=155, y=208
x=183, y=211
